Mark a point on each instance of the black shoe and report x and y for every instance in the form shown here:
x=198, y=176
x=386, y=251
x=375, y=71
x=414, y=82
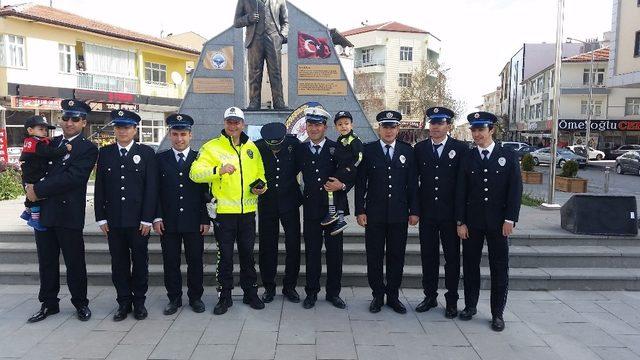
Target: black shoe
x=43, y=313
x=451, y=311
x=279, y=105
x=140, y=312
x=467, y=313
x=172, y=307
x=337, y=302
x=224, y=303
x=497, y=323
x=253, y=106
x=291, y=295
x=268, y=295
x=376, y=304
x=338, y=227
x=396, y=305
x=121, y=313
x=197, y=306
x=254, y=301
x=426, y=304
x=83, y=313
x=330, y=218
x=309, y=301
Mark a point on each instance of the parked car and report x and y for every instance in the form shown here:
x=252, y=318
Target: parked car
x=628, y=162
x=543, y=156
x=622, y=149
x=513, y=145
x=525, y=150
x=593, y=153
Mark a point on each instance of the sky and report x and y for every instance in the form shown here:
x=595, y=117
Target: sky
x=478, y=36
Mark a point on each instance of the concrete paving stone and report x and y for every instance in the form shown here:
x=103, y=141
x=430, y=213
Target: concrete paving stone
x=530, y=295
x=146, y=332
x=190, y=321
x=517, y=334
x=433, y=315
x=376, y=352
x=451, y=352
x=588, y=334
x=411, y=346
x=577, y=295
x=107, y=324
x=359, y=310
x=131, y=352
x=213, y=352
x=568, y=348
x=445, y=334
x=46, y=352
x=326, y=319
x=71, y=332
x=370, y=333
x=30, y=290
x=484, y=311
x=222, y=332
x=622, y=311
x=517, y=306
x=608, y=353
x=295, y=352
x=263, y=320
x=176, y=345
x=611, y=324
x=297, y=332
x=498, y=348
x=21, y=341
x=293, y=311
x=403, y=324
x=96, y=345
x=534, y=353
x=585, y=306
x=256, y=345
x=335, y=345
x=630, y=341
x=24, y=309
x=9, y=325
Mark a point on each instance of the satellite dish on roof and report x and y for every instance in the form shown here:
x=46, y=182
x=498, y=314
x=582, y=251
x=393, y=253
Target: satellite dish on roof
x=176, y=78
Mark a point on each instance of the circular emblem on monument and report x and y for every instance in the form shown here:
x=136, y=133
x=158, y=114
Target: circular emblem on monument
x=218, y=60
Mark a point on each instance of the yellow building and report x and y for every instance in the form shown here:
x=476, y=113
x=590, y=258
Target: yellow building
x=47, y=54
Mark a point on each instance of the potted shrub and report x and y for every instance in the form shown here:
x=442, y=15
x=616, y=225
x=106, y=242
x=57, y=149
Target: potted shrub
x=529, y=175
x=568, y=179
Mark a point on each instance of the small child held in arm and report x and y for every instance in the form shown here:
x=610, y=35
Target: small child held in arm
x=34, y=160
x=348, y=155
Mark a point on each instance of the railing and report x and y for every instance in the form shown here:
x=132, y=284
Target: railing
x=113, y=83
x=360, y=64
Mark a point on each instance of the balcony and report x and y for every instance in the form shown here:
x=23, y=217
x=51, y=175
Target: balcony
x=109, y=83
x=582, y=89
x=373, y=66
x=160, y=89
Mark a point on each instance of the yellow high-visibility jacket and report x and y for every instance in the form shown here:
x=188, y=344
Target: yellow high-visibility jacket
x=232, y=191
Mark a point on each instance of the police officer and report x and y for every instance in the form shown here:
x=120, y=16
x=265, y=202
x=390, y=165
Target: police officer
x=315, y=159
x=489, y=189
x=438, y=161
x=125, y=204
x=279, y=204
x=386, y=199
x=181, y=216
x=62, y=212
x=232, y=166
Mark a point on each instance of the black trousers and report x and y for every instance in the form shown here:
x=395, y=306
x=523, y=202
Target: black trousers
x=432, y=234
x=268, y=233
x=314, y=235
x=498, y=247
x=171, y=257
x=129, y=264
x=265, y=48
x=49, y=243
x=394, y=237
x=240, y=229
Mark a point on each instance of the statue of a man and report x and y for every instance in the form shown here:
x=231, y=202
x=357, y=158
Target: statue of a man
x=267, y=26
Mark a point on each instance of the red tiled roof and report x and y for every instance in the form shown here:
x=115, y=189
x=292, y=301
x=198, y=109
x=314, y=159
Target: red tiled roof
x=601, y=54
x=388, y=26
x=62, y=18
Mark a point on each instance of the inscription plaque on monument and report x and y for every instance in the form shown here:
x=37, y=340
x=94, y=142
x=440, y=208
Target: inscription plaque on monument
x=322, y=87
x=213, y=86
x=318, y=72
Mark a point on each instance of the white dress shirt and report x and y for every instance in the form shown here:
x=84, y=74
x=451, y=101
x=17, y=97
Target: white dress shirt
x=391, y=149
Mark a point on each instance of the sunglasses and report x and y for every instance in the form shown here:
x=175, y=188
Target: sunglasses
x=75, y=119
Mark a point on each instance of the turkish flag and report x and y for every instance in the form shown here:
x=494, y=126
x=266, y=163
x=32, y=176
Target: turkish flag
x=310, y=47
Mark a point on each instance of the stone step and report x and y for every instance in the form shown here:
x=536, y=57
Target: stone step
x=355, y=275
x=354, y=254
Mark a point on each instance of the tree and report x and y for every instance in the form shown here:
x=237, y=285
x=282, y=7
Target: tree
x=429, y=87
x=370, y=92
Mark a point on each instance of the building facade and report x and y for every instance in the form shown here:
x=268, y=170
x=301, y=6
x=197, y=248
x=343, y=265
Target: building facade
x=47, y=54
x=491, y=102
x=624, y=65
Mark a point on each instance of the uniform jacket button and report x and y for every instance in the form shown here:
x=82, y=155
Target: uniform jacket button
x=122, y=198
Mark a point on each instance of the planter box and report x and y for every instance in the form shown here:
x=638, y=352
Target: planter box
x=531, y=177
x=574, y=185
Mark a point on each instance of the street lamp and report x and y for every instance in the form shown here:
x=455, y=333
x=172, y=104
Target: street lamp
x=590, y=102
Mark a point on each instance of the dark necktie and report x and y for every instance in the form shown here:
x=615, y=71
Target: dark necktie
x=123, y=152
x=388, y=153
x=180, y=160
x=485, y=156
x=316, y=148
x=435, y=150
x=64, y=142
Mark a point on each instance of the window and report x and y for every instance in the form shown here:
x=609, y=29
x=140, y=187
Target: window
x=532, y=111
x=632, y=106
x=155, y=73
x=109, y=61
x=152, y=131
x=432, y=56
x=404, y=80
x=596, y=107
x=406, y=53
x=636, y=50
x=552, y=78
x=12, y=52
x=65, y=57
x=538, y=111
x=404, y=107
x=540, y=83
x=551, y=107
x=366, y=56
x=598, y=76
x=522, y=114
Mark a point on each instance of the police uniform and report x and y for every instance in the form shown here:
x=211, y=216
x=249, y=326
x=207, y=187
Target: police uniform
x=386, y=192
x=279, y=204
x=317, y=163
x=126, y=192
x=182, y=210
x=438, y=166
x=62, y=212
x=489, y=189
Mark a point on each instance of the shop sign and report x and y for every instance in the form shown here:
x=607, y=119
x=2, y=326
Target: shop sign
x=107, y=106
x=599, y=125
x=32, y=102
x=4, y=154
